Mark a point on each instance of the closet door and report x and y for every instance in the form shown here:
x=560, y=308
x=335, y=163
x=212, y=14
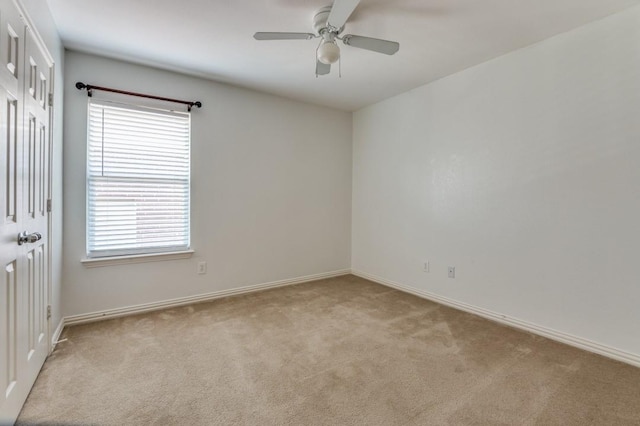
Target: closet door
x=35, y=163
x=24, y=174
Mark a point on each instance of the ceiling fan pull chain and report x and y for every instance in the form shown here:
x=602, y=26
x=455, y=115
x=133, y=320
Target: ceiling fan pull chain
x=316, y=56
x=340, y=68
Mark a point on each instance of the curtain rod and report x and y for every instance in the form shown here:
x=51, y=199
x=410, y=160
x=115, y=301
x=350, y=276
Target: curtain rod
x=90, y=87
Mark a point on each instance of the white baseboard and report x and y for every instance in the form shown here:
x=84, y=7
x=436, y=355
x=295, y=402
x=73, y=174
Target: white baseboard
x=56, y=334
x=558, y=336
x=165, y=304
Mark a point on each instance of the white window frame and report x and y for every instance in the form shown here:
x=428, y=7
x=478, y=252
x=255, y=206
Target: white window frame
x=135, y=254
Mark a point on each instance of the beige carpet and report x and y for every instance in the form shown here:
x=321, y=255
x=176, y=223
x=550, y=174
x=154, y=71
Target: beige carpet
x=342, y=351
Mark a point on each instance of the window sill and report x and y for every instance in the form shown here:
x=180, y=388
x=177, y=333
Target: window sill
x=138, y=258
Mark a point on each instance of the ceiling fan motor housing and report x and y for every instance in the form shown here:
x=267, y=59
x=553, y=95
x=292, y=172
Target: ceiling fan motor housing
x=320, y=21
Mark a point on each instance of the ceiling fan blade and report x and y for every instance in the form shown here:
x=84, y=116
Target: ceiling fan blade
x=374, y=44
x=340, y=12
x=322, y=69
x=283, y=36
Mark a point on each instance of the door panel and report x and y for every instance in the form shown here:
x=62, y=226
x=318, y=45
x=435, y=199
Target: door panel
x=11, y=157
x=36, y=308
x=8, y=330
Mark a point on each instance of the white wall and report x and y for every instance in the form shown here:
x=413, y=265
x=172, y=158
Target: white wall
x=271, y=190
x=522, y=172
x=38, y=12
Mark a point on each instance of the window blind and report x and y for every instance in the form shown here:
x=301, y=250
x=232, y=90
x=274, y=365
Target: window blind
x=138, y=166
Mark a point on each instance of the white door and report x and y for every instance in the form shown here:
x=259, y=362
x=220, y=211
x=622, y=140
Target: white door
x=24, y=173
x=35, y=192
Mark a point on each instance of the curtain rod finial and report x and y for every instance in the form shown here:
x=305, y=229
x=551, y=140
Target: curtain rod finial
x=80, y=85
x=192, y=104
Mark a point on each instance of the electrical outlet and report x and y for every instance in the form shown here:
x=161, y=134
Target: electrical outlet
x=452, y=271
x=425, y=266
x=202, y=268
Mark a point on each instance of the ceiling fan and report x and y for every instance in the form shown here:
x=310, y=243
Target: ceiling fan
x=328, y=24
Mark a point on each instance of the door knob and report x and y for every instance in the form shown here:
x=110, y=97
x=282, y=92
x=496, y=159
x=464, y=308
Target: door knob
x=25, y=237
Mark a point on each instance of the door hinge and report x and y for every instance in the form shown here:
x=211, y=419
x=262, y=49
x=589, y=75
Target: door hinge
x=50, y=99
x=49, y=205
x=48, y=311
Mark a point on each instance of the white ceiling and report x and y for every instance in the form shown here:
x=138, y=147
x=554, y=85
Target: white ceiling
x=213, y=39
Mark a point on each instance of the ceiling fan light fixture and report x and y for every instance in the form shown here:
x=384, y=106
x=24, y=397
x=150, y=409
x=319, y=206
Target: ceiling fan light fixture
x=328, y=52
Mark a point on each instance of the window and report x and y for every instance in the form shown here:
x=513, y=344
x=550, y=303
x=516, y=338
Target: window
x=138, y=177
